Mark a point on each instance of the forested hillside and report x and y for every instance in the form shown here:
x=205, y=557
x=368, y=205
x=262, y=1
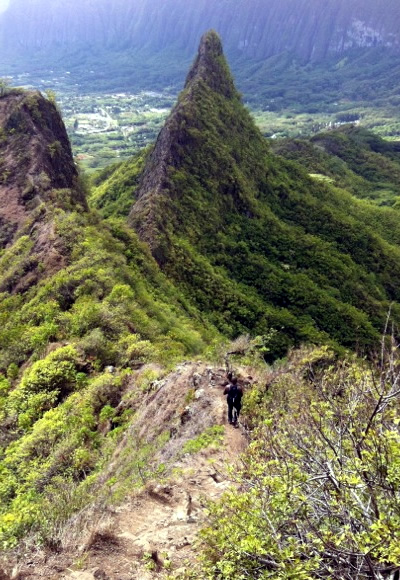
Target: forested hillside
x=78, y=294
x=109, y=294
x=350, y=158
x=252, y=238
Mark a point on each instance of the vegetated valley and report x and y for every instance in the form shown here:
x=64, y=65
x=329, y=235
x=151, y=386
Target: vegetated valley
x=107, y=122
x=121, y=303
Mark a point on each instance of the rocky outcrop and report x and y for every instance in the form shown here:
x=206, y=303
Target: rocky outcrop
x=37, y=176
x=36, y=164
x=257, y=28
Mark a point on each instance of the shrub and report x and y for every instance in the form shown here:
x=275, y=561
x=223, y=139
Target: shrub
x=44, y=385
x=318, y=493
x=213, y=436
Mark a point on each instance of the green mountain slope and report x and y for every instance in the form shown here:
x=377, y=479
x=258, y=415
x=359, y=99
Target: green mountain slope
x=249, y=236
x=242, y=239
x=78, y=294
x=351, y=158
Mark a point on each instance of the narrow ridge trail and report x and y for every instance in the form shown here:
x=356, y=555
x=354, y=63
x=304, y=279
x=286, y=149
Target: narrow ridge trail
x=154, y=530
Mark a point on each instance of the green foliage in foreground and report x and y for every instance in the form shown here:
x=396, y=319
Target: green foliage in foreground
x=318, y=493
x=60, y=410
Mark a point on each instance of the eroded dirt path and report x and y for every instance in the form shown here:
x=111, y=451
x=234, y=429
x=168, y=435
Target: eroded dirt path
x=155, y=529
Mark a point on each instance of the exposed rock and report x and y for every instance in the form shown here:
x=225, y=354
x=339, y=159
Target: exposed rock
x=199, y=394
x=99, y=574
x=37, y=175
x=196, y=380
x=157, y=213
x=36, y=163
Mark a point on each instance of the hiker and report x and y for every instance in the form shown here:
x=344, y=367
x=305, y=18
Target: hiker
x=234, y=399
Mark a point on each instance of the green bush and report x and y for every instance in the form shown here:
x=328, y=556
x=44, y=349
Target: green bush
x=317, y=493
x=211, y=437
x=43, y=385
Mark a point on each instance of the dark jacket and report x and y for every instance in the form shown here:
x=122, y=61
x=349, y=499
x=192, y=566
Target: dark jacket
x=239, y=394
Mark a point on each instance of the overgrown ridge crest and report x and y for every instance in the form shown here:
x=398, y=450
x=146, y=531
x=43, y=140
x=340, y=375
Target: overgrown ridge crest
x=38, y=176
x=137, y=538
x=90, y=411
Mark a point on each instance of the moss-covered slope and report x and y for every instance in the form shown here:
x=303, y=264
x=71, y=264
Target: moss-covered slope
x=251, y=238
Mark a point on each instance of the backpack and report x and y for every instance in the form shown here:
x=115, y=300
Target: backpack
x=233, y=394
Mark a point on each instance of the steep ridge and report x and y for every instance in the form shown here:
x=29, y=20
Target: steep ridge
x=84, y=310
x=251, y=237
x=36, y=159
x=153, y=530
x=190, y=138
x=247, y=241
x=38, y=175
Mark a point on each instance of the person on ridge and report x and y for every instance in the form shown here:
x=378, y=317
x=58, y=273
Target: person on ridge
x=234, y=399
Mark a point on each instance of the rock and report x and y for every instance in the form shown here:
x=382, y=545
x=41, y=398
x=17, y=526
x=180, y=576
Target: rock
x=186, y=415
x=100, y=574
x=216, y=477
x=81, y=575
x=199, y=394
x=196, y=380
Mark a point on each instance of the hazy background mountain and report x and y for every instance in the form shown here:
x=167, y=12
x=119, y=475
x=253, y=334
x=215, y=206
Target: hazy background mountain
x=301, y=66
x=41, y=32
x=255, y=28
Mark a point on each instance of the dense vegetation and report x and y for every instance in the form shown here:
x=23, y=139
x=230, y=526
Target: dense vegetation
x=351, y=158
x=317, y=494
x=109, y=306
x=252, y=239
x=83, y=308
x=246, y=241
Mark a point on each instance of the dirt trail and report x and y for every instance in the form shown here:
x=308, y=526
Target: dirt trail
x=159, y=524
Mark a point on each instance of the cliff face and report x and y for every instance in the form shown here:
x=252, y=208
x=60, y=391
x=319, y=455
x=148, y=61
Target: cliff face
x=256, y=28
x=37, y=175
x=36, y=164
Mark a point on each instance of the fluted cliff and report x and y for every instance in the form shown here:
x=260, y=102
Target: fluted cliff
x=255, y=28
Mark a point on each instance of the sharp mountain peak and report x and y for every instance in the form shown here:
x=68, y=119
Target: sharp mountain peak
x=208, y=135
x=37, y=175
x=211, y=67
